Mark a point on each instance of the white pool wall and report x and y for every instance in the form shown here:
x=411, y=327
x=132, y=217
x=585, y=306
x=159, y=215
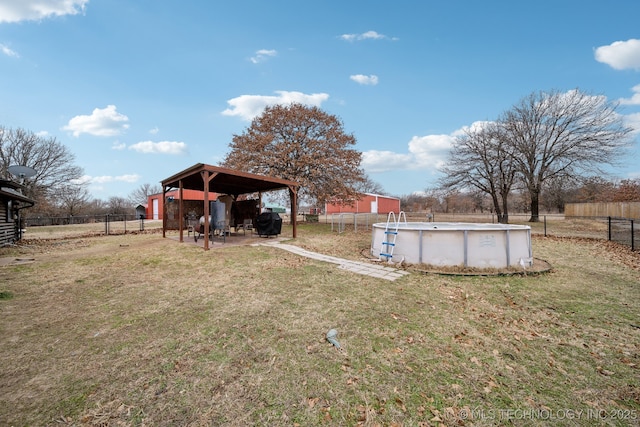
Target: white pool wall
x=455, y=244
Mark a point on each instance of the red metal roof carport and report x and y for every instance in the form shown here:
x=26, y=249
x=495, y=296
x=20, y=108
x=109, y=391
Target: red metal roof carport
x=216, y=179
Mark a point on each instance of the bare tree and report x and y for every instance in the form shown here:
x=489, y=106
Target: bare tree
x=556, y=192
x=72, y=199
x=302, y=144
x=370, y=186
x=481, y=159
x=555, y=134
x=142, y=193
x=97, y=207
x=119, y=205
x=53, y=162
x=431, y=200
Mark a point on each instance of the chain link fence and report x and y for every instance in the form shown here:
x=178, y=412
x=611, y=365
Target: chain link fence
x=357, y=221
x=621, y=230
x=81, y=225
x=624, y=231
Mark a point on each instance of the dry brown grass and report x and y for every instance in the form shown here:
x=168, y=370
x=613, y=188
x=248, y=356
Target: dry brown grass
x=140, y=330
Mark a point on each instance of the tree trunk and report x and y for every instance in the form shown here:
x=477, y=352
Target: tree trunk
x=496, y=207
x=535, y=205
x=505, y=210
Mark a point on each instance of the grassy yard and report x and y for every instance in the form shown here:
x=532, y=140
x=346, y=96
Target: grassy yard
x=140, y=330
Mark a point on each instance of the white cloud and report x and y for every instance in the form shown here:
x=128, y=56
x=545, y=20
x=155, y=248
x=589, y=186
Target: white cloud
x=118, y=146
x=101, y=122
x=427, y=152
x=635, y=98
x=35, y=10
x=368, y=35
x=127, y=178
x=620, y=55
x=262, y=55
x=430, y=150
x=365, y=80
x=162, y=147
x=249, y=106
x=154, y=131
x=6, y=50
x=382, y=161
x=120, y=178
x=105, y=179
x=84, y=179
x=633, y=121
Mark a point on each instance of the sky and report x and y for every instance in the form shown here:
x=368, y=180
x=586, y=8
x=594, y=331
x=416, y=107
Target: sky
x=141, y=90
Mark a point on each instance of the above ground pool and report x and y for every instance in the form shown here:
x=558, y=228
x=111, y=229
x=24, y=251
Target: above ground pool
x=453, y=244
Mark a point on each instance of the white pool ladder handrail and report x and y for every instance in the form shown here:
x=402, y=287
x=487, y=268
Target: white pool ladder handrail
x=389, y=241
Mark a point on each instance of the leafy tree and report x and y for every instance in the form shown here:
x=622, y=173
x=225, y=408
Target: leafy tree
x=53, y=162
x=303, y=144
x=627, y=191
x=481, y=159
x=594, y=189
x=562, y=134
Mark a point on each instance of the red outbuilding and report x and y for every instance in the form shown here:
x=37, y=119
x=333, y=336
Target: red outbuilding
x=368, y=203
x=154, y=201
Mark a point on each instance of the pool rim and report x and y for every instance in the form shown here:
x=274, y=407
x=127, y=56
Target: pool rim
x=464, y=228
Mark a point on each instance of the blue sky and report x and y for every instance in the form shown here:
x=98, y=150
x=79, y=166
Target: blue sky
x=140, y=90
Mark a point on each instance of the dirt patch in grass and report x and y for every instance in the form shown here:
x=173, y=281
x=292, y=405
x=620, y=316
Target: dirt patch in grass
x=140, y=330
x=538, y=266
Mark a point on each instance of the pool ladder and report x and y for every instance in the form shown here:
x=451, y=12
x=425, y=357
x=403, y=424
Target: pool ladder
x=391, y=234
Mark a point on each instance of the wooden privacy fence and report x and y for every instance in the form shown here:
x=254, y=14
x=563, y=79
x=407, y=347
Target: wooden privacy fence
x=628, y=210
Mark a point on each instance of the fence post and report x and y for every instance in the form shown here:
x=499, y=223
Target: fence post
x=106, y=224
x=545, y=226
x=609, y=227
x=141, y=223
x=633, y=247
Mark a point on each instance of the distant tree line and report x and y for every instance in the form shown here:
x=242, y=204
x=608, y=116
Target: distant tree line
x=57, y=187
x=552, y=199
x=76, y=201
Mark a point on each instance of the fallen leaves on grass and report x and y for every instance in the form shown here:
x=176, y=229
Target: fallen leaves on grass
x=613, y=251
